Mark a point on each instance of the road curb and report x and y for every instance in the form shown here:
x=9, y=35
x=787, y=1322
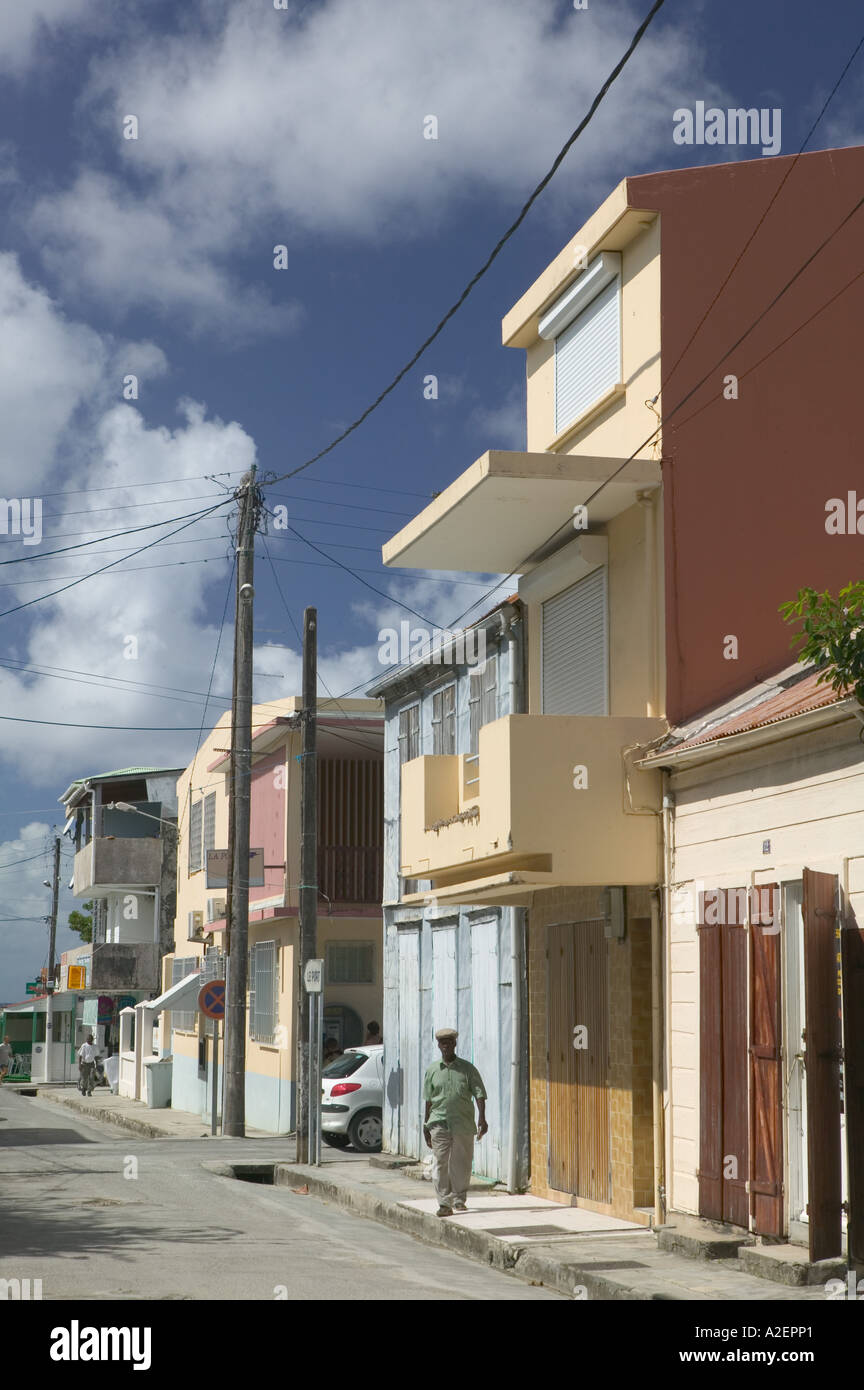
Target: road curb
x=527, y=1265
x=111, y=1117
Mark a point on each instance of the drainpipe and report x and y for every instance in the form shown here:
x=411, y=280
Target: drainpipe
x=511, y=628
x=660, y=1005
x=646, y=501
x=657, y=1056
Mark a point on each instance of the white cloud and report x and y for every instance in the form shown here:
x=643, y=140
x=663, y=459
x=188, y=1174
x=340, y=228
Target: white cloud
x=60, y=385
x=263, y=126
x=24, y=22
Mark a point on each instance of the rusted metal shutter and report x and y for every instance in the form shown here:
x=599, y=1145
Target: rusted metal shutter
x=853, y=1050
x=710, y=1073
x=766, y=1079
x=560, y=1015
x=578, y=1092
x=822, y=1060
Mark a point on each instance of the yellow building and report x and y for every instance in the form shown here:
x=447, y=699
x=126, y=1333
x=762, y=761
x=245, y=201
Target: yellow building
x=350, y=831
x=554, y=817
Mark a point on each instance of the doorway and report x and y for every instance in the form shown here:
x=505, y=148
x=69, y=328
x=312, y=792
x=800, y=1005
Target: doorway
x=577, y=1014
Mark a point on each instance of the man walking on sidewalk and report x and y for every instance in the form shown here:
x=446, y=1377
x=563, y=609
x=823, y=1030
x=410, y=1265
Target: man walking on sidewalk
x=450, y=1088
x=87, y=1055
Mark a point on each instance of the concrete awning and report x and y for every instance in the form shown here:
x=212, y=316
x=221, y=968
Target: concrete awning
x=499, y=514
x=179, y=996
x=61, y=1003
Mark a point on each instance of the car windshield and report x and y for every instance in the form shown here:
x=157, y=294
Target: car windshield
x=346, y=1064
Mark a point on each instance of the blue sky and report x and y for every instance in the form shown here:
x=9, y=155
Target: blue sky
x=154, y=257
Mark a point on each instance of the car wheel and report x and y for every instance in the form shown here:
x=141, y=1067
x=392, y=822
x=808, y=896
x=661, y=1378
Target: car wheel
x=336, y=1141
x=364, y=1131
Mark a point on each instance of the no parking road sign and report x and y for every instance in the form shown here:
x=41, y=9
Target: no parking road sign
x=211, y=999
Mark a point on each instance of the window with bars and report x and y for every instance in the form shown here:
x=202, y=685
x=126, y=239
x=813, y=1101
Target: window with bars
x=409, y=733
x=444, y=720
x=263, y=992
x=350, y=962
x=195, y=830
x=184, y=1020
x=482, y=701
x=209, y=831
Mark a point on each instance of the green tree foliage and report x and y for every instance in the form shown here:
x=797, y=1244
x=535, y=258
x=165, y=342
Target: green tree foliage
x=81, y=923
x=832, y=633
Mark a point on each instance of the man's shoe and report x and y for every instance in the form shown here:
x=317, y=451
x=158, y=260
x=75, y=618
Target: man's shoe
x=444, y=1211
x=459, y=1206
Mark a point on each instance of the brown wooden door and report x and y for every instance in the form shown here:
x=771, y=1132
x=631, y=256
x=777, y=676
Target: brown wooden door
x=578, y=1091
x=822, y=1061
x=724, y=1141
x=766, y=1075
x=853, y=1052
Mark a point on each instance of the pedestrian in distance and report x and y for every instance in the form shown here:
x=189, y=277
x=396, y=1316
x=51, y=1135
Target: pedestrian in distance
x=87, y=1054
x=450, y=1088
x=5, y=1058
x=373, y=1034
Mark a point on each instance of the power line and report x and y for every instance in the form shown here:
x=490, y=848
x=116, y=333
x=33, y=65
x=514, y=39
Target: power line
x=494, y=253
x=681, y=403
x=92, y=575
x=131, y=531
x=771, y=202
x=13, y=862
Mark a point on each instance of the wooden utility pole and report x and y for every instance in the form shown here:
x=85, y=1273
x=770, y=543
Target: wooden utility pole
x=52, y=920
x=234, y=1052
x=308, y=894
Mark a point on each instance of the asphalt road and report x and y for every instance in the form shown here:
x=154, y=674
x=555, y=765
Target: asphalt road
x=98, y=1214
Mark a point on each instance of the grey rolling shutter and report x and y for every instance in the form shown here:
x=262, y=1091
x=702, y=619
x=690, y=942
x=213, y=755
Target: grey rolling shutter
x=574, y=649
x=587, y=357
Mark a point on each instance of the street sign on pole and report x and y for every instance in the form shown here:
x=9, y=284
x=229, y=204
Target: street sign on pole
x=211, y=999
x=313, y=976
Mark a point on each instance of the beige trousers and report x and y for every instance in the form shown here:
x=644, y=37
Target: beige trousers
x=452, y=1156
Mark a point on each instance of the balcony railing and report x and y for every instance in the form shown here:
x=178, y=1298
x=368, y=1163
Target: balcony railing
x=351, y=874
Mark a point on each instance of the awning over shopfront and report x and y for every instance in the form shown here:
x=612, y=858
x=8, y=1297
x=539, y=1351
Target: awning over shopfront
x=179, y=996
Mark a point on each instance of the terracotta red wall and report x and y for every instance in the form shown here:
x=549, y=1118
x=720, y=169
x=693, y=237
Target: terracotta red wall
x=746, y=481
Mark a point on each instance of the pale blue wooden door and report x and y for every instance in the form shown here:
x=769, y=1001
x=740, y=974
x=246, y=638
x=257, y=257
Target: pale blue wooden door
x=486, y=1042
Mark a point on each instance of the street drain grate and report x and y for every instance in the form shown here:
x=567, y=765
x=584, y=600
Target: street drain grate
x=531, y=1231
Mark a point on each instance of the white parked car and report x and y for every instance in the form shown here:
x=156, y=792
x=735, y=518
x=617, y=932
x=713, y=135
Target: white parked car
x=352, y=1096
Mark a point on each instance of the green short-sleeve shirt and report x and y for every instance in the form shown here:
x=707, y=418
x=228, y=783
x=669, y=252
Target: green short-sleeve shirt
x=452, y=1090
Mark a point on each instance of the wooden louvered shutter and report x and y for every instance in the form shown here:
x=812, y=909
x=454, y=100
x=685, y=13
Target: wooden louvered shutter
x=822, y=1062
x=588, y=357
x=853, y=1052
x=574, y=655
x=766, y=1080
x=710, y=1074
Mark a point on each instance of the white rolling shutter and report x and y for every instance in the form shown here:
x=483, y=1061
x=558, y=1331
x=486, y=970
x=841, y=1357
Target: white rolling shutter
x=588, y=357
x=574, y=652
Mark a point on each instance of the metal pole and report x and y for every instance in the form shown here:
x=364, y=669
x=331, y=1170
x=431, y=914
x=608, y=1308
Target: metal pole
x=308, y=894
x=314, y=1105
x=234, y=1061
x=215, y=1064
x=52, y=940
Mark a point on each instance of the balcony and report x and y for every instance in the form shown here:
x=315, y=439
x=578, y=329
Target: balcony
x=126, y=852
x=505, y=507
x=117, y=968
x=496, y=828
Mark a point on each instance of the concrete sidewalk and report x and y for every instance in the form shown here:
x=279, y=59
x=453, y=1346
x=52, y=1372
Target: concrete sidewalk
x=132, y=1115
x=569, y=1249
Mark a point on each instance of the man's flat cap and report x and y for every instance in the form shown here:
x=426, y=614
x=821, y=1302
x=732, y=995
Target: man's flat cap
x=447, y=1033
